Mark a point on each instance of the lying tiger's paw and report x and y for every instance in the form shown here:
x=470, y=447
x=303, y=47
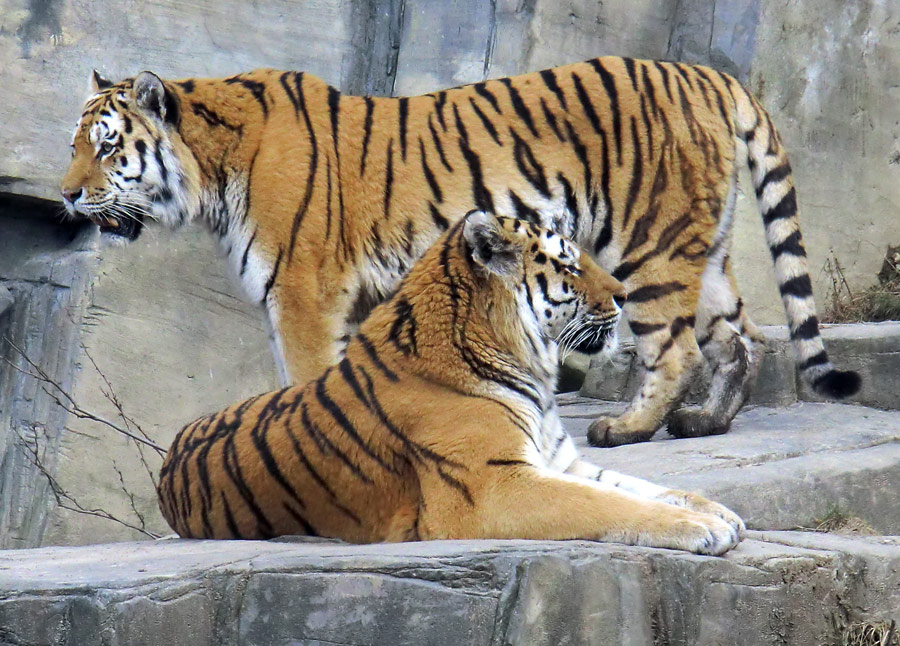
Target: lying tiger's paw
x=698, y=503
x=613, y=431
x=706, y=534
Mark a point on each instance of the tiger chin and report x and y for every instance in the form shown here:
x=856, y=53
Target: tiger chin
x=440, y=421
x=321, y=202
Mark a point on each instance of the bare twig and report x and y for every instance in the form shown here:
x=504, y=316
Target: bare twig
x=64, y=499
x=65, y=400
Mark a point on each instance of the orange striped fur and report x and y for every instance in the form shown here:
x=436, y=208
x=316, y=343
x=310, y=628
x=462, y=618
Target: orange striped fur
x=322, y=202
x=440, y=420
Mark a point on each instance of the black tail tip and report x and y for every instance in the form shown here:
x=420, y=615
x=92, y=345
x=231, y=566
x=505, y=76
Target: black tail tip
x=838, y=384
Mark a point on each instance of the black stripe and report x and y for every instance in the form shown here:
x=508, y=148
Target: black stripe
x=549, y=78
x=648, y=126
x=404, y=117
x=808, y=329
x=326, y=446
x=519, y=106
x=586, y=104
x=257, y=89
x=508, y=463
x=439, y=102
x=439, y=220
x=775, y=175
x=273, y=275
x=290, y=93
x=649, y=89
x=313, y=163
x=334, y=110
x=234, y=472
x=793, y=245
x=328, y=191
x=492, y=131
x=665, y=75
x=482, y=90
x=528, y=165
x=344, y=422
x=799, y=286
x=480, y=193
x=163, y=171
x=571, y=202
x=367, y=133
x=818, y=359
x=388, y=179
x=438, y=145
x=609, y=84
x=373, y=356
x=639, y=328
x=629, y=67
x=211, y=117
x=637, y=171
x=229, y=519
x=551, y=120
x=522, y=210
x=247, y=252
x=429, y=176
x=304, y=524
x=786, y=208
x=653, y=292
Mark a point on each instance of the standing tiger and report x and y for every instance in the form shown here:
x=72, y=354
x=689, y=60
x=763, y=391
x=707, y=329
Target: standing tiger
x=440, y=420
x=321, y=203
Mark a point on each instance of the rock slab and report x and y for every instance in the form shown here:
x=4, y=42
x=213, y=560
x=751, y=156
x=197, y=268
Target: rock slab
x=775, y=588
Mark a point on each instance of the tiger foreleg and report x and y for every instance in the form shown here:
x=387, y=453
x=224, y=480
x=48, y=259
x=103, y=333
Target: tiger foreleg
x=650, y=491
x=525, y=501
x=670, y=359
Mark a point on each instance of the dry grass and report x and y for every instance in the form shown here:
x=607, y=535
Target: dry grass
x=879, y=302
x=871, y=634
x=838, y=521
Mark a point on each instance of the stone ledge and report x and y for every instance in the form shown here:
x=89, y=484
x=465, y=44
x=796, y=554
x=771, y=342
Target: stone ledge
x=774, y=586
x=872, y=349
x=779, y=468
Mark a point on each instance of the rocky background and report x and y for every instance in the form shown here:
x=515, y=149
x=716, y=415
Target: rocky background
x=161, y=321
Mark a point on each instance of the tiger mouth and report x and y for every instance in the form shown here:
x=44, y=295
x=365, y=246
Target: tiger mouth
x=598, y=340
x=128, y=228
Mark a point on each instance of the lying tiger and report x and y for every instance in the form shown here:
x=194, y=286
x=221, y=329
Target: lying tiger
x=321, y=203
x=440, y=421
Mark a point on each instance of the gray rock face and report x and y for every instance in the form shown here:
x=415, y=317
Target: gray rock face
x=45, y=271
x=871, y=349
x=776, y=587
x=779, y=468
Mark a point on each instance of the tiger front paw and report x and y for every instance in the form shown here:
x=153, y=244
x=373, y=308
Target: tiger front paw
x=703, y=505
x=614, y=431
x=706, y=534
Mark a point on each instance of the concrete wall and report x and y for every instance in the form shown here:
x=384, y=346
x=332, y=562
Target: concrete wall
x=165, y=325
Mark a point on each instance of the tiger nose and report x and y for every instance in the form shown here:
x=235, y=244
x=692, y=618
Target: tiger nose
x=620, y=299
x=70, y=195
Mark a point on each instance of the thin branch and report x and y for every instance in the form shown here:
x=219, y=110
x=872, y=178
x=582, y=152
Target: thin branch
x=64, y=499
x=70, y=405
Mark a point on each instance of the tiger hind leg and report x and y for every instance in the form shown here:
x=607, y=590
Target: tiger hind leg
x=733, y=348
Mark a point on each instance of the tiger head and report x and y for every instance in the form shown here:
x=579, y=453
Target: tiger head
x=561, y=294
x=128, y=161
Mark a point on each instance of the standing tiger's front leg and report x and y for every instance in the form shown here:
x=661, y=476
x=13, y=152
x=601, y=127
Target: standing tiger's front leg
x=646, y=489
x=670, y=359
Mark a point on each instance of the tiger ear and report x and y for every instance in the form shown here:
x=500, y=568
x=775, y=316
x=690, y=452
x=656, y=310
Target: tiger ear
x=150, y=94
x=97, y=83
x=488, y=244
